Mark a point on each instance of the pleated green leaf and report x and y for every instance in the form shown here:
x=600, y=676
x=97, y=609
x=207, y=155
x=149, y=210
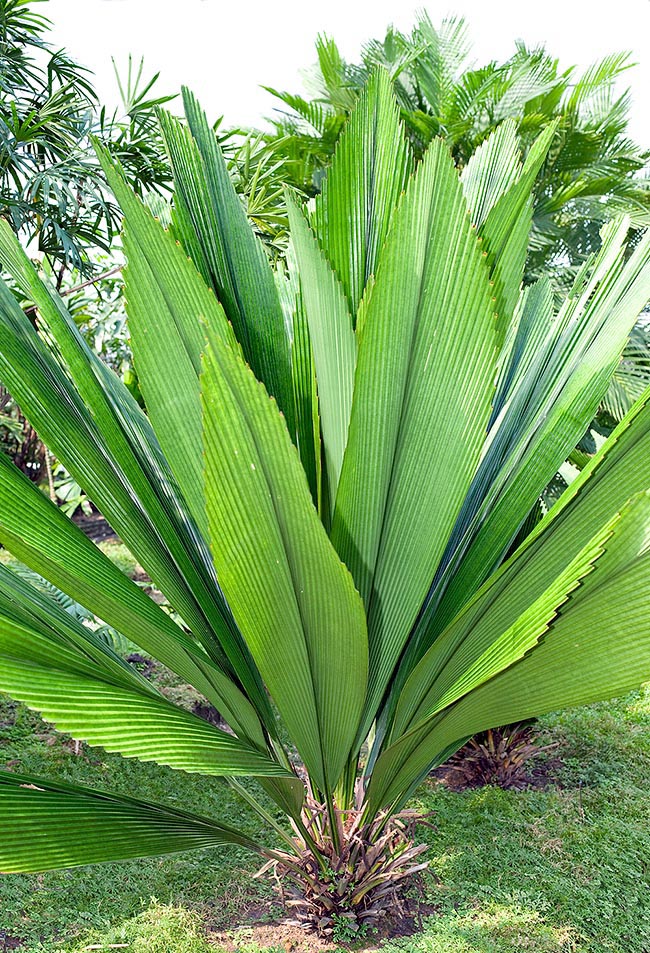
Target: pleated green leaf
x=506, y=229
x=48, y=825
x=291, y=596
x=38, y=533
x=56, y=665
x=591, y=506
x=369, y=171
x=528, y=335
x=423, y=388
x=160, y=281
x=182, y=228
x=239, y=270
x=168, y=305
x=130, y=723
x=333, y=342
x=548, y=408
x=90, y=421
x=306, y=400
x=77, y=415
x=578, y=661
x=496, y=631
x=491, y=171
x=31, y=608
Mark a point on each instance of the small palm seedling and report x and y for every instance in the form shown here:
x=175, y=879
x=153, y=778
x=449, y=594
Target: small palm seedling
x=500, y=756
x=329, y=486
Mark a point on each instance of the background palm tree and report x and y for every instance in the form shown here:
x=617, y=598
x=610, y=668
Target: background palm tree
x=52, y=189
x=593, y=168
x=592, y=172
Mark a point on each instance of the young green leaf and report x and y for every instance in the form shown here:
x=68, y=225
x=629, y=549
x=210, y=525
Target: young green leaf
x=293, y=599
x=369, y=172
x=424, y=383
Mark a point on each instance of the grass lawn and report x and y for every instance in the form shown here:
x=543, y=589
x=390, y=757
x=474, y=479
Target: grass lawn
x=566, y=868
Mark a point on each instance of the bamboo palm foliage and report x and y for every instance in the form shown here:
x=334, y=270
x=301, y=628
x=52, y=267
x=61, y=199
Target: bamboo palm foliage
x=331, y=497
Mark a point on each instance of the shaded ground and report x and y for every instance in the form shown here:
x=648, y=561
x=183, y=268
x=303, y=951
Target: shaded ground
x=94, y=526
x=284, y=934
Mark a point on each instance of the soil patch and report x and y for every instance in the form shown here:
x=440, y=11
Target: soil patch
x=145, y=666
x=286, y=934
x=208, y=713
x=95, y=527
x=9, y=942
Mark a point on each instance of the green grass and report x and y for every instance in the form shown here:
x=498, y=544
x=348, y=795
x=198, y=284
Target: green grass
x=120, y=555
x=43, y=908
x=563, y=869
x=160, y=929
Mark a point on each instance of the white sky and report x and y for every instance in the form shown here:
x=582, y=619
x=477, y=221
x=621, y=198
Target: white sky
x=225, y=49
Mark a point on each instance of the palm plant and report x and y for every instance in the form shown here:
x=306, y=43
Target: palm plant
x=326, y=497
x=592, y=170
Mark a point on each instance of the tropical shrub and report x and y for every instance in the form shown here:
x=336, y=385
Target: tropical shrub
x=592, y=171
x=497, y=756
x=52, y=191
x=336, y=486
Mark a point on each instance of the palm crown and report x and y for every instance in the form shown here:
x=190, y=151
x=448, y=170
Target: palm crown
x=359, y=568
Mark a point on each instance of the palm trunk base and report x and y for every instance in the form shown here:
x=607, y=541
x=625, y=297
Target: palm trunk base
x=354, y=880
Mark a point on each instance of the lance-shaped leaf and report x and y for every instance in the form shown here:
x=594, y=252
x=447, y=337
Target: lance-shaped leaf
x=306, y=398
x=303, y=373
x=57, y=666
x=491, y=171
x=168, y=305
x=291, y=596
x=592, y=503
x=368, y=173
x=333, y=342
x=423, y=387
x=88, y=418
x=547, y=409
x=48, y=825
x=239, y=269
x=528, y=335
x=506, y=229
x=74, y=411
x=41, y=536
